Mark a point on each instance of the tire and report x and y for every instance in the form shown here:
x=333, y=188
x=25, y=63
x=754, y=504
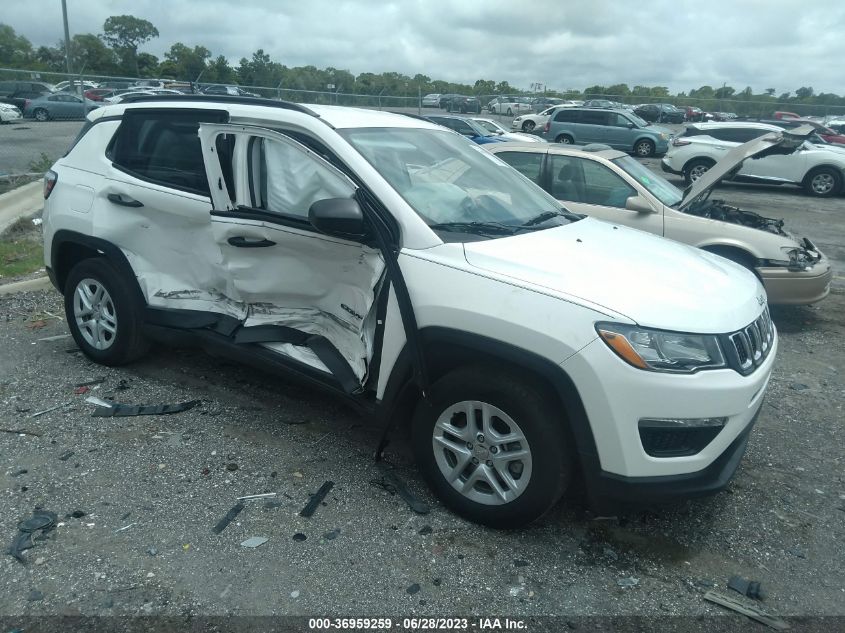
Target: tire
x=644, y=148
x=695, y=168
x=41, y=114
x=823, y=182
x=527, y=487
x=565, y=139
x=116, y=337
x=743, y=258
x=528, y=126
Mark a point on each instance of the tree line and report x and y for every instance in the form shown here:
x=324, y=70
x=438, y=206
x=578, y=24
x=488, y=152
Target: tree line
x=116, y=52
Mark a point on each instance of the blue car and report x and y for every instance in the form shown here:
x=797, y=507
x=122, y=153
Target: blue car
x=466, y=127
x=59, y=105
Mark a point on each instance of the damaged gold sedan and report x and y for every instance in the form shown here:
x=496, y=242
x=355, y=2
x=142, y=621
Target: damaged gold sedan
x=610, y=185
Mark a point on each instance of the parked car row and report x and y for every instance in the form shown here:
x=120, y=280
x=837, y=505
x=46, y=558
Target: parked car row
x=526, y=346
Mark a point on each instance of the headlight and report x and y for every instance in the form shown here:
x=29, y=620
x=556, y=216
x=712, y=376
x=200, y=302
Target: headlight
x=664, y=136
x=799, y=259
x=659, y=350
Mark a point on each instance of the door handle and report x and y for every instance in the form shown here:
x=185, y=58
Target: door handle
x=242, y=242
x=124, y=201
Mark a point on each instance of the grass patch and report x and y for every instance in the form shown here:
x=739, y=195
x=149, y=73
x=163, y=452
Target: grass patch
x=21, y=250
x=13, y=182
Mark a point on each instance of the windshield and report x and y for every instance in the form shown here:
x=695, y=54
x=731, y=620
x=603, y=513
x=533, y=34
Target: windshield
x=636, y=119
x=447, y=179
x=490, y=126
x=658, y=186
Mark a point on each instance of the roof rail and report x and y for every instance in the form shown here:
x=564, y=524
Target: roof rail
x=195, y=98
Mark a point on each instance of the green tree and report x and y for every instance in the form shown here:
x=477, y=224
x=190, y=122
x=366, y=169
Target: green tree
x=125, y=33
x=484, y=87
x=725, y=92
x=619, y=89
x=804, y=92
x=770, y=92
x=15, y=50
x=147, y=65
x=219, y=71
x=88, y=51
x=183, y=62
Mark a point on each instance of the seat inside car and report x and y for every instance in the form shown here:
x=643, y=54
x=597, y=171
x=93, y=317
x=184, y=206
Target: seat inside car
x=567, y=185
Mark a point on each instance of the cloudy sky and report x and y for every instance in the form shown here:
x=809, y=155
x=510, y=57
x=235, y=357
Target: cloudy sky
x=681, y=44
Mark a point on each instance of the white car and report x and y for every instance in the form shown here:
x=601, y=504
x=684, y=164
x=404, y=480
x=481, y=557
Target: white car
x=491, y=126
x=819, y=169
x=530, y=122
x=403, y=269
x=510, y=106
x=9, y=113
x=431, y=100
x=73, y=86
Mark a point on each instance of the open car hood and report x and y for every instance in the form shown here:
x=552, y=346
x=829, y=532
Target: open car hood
x=785, y=142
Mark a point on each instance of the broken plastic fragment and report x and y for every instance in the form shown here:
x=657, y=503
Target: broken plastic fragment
x=254, y=541
x=226, y=520
x=316, y=499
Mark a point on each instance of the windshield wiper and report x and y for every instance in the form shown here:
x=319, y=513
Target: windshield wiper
x=495, y=228
x=548, y=215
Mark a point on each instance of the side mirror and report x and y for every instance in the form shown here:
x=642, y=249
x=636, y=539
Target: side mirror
x=340, y=217
x=631, y=126
x=638, y=204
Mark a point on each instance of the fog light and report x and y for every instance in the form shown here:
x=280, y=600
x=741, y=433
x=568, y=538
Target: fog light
x=678, y=437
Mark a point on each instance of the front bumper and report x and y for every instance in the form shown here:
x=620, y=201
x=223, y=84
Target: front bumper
x=616, y=396
x=664, y=165
x=786, y=287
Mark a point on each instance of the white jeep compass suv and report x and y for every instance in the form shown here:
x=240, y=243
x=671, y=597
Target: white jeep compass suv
x=403, y=268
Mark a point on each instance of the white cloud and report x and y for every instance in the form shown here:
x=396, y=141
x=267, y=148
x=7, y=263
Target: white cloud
x=680, y=44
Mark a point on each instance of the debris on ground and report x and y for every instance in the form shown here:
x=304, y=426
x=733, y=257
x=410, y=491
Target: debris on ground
x=58, y=406
x=40, y=521
x=415, y=588
x=80, y=390
x=750, y=588
x=425, y=530
x=66, y=456
x=395, y=485
x=316, y=499
x=116, y=410
x=58, y=337
x=21, y=432
x=263, y=495
x=254, y=541
x=231, y=467
x=91, y=383
x=226, y=520
x=330, y=536
x=630, y=581
x=299, y=537
x=750, y=610
x=125, y=527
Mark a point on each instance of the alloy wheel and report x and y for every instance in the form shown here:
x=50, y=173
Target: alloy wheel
x=697, y=172
x=482, y=452
x=95, y=314
x=822, y=184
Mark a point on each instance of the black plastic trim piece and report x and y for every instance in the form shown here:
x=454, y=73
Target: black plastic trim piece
x=270, y=334
x=262, y=215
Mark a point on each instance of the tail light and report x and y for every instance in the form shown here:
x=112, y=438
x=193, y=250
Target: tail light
x=679, y=142
x=547, y=126
x=50, y=180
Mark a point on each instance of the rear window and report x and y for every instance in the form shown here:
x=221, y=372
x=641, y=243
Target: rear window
x=162, y=146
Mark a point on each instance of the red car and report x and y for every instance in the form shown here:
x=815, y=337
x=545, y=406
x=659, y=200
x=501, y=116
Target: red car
x=831, y=136
x=786, y=115
x=96, y=94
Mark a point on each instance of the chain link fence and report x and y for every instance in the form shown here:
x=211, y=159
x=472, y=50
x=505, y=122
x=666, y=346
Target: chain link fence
x=29, y=145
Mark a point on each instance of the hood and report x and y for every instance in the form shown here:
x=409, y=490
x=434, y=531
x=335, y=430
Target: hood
x=784, y=142
x=653, y=281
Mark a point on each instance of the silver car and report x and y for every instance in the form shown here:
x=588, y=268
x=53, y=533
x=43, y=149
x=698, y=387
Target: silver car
x=60, y=105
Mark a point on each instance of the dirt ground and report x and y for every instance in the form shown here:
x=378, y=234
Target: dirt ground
x=137, y=497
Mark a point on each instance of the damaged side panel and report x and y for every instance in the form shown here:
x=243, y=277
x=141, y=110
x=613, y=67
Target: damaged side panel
x=276, y=265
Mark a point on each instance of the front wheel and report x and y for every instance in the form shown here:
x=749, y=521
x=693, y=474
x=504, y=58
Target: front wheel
x=492, y=446
x=644, y=148
x=695, y=169
x=103, y=315
x=41, y=115
x=528, y=126
x=823, y=182
x=565, y=139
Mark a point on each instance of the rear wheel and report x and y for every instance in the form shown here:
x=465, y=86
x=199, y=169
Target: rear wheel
x=528, y=126
x=644, y=148
x=41, y=114
x=696, y=168
x=823, y=182
x=103, y=315
x=492, y=446
x=565, y=139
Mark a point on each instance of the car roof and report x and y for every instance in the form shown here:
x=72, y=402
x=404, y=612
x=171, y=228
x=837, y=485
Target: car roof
x=715, y=125
x=555, y=148
x=247, y=107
